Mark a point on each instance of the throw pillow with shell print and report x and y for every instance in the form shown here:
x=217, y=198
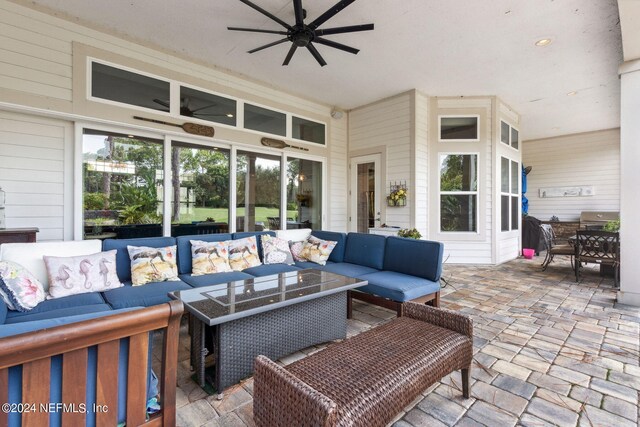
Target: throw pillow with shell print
x=81, y=274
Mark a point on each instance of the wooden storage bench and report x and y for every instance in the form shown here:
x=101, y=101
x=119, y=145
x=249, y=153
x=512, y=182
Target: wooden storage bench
x=368, y=379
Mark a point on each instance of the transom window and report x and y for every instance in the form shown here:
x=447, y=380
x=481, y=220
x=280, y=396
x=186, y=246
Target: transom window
x=459, y=192
x=509, y=135
x=459, y=128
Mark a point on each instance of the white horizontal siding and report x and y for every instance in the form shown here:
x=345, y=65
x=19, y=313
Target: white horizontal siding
x=574, y=160
x=508, y=248
x=32, y=162
x=337, y=195
x=387, y=123
x=467, y=252
x=421, y=147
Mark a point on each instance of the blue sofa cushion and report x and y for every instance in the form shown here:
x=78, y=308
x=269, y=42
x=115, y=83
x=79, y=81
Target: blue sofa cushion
x=268, y=269
x=184, y=248
x=365, y=249
x=153, y=293
x=257, y=234
x=65, y=312
x=397, y=286
x=347, y=269
x=309, y=264
x=123, y=263
x=421, y=258
x=214, y=279
x=337, y=254
x=49, y=306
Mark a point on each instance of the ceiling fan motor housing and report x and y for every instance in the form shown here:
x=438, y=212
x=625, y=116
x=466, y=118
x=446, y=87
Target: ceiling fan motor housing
x=301, y=37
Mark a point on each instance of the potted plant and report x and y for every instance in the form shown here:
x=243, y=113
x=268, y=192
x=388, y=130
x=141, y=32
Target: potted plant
x=410, y=233
x=613, y=226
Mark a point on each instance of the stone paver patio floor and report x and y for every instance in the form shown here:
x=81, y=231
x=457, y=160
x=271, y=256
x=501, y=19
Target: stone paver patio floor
x=548, y=351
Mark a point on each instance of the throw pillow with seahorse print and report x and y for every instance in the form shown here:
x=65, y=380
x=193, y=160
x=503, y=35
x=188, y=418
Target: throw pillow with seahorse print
x=81, y=274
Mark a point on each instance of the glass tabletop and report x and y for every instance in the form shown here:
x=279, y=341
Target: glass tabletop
x=224, y=302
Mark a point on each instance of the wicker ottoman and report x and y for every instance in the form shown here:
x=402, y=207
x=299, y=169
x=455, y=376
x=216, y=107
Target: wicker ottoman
x=368, y=379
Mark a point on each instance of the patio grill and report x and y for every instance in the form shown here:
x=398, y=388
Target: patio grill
x=594, y=220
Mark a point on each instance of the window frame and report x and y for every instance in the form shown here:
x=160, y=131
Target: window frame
x=511, y=129
x=478, y=128
x=461, y=193
x=510, y=194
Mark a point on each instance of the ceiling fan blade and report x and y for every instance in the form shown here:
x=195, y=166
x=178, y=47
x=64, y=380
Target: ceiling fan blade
x=267, y=14
x=340, y=30
x=297, y=8
x=329, y=13
x=268, y=45
x=290, y=54
x=255, y=30
x=204, y=108
x=336, y=45
x=316, y=54
x=161, y=102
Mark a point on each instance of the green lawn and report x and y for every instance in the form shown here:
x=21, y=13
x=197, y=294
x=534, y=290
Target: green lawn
x=222, y=214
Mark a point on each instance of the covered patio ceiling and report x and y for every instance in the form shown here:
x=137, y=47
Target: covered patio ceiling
x=457, y=47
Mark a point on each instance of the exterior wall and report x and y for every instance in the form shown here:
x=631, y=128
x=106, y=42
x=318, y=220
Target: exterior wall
x=43, y=72
x=591, y=158
x=473, y=248
x=35, y=162
x=386, y=127
x=421, y=164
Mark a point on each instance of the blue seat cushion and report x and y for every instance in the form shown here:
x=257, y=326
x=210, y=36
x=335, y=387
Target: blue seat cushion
x=421, y=258
x=337, y=254
x=257, y=234
x=65, y=312
x=365, y=249
x=214, y=279
x=348, y=269
x=398, y=286
x=268, y=269
x=123, y=262
x=49, y=305
x=153, y=293
x=184, y=248
x=309, y=264
x=3, y=311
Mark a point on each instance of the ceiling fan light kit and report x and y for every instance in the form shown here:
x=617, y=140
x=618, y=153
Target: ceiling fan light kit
x=305, y=35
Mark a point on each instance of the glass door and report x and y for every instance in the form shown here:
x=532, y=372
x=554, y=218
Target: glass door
x=365, y=193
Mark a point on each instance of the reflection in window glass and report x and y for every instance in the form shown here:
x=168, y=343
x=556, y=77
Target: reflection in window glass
x=304, y=195
x=504, y=175
x=264, y=120
x=207, y=106
x=458, y=192
x=514, y=138
x=515, y=177
x=200, y=182
x=258, y=190
x=459, y=128
x=307, y=130
x=504, y=133
x=130, y=88
x=122, y=185
x=504, y=213
x=515, y=212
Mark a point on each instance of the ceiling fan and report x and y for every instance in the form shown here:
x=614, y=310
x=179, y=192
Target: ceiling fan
x=304, y=35
x=187, y=111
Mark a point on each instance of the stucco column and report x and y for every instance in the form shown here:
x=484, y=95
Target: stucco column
x=630, y=183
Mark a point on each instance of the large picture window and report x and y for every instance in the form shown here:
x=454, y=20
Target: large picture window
x=459, y=193
x=509, y=189
x=122, y=185
x=200, y=189
x=304, y=194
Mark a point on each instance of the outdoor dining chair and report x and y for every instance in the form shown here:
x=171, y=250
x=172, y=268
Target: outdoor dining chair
x=600, y=247
x=552, y=248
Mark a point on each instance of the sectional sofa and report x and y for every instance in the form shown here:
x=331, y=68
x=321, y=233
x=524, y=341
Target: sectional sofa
x=396, y=269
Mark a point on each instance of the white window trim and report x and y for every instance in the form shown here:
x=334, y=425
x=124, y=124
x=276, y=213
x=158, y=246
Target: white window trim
x=441, y=116
x=510, y=193
x=462, y=193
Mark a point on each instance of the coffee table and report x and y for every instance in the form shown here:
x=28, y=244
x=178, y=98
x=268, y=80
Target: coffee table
x=272, y=315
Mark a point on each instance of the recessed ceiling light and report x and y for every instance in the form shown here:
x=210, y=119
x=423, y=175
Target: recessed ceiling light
x=229, y=115
x=543, y=42
x=572, y=93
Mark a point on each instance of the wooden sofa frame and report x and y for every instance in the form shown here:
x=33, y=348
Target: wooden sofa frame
x=430, y=299
x=34, y=351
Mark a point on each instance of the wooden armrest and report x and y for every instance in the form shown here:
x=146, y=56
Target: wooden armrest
x=282, y=399
x=440, y=317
